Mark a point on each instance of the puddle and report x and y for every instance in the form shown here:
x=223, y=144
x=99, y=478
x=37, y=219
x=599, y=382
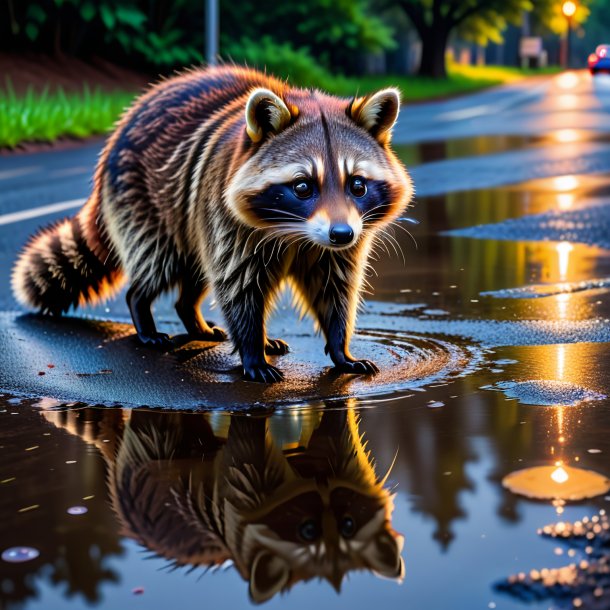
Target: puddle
x=347, y=478
x=546, y=392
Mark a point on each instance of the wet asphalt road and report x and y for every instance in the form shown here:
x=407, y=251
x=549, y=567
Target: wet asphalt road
x=538, y=129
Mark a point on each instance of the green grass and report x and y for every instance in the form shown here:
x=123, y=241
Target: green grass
x=44, y=117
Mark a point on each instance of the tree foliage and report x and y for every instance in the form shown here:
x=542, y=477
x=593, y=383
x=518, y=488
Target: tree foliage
x=156, y=31
x=334, y=32
x=478, y=20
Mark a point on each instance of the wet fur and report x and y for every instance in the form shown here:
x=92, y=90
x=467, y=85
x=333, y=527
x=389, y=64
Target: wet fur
x=179, y=200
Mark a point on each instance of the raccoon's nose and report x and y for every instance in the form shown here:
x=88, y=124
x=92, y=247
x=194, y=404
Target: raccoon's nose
x=341, y=234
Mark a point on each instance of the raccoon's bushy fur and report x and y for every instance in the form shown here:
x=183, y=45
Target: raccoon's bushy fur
x=197, y=189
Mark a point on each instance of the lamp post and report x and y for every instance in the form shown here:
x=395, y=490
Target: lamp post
x=568, y=8
x=211, y=32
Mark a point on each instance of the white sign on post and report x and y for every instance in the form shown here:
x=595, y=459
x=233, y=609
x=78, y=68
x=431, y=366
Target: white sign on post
x=530, y=46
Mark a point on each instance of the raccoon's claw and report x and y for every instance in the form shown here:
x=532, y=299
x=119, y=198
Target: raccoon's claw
x=159, y=341
x=276, y=347
x=215, y=334
x=357, y=367
x=263, y=373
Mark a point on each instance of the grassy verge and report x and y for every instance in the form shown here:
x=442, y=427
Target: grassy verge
x=461, y=79
x=44, y=117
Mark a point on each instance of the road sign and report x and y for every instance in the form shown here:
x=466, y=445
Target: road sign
x=530, y=46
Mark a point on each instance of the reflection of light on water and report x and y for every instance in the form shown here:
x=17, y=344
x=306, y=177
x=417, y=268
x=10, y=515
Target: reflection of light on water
x=567, y=80
x=565, y=183
x=567, y=101
x=556, y=482
x=563, y=250
x=562, y=305
x=566, y=135
x=565, y=200
x=559, y=475
x=561, y=362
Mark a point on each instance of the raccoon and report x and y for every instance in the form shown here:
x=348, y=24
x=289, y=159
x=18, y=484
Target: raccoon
x=282, y=514
x=230, y=179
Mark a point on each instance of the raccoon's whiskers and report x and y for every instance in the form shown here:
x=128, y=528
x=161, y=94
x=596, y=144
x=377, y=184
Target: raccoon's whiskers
x=398, y=225
x=284, y=213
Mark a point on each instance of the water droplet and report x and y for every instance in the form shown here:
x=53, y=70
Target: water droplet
x=77, y=510
x=19, y=554
x=435, y=404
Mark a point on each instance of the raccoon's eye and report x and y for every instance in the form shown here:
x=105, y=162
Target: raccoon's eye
x=347, y=526
x=302, y=188
x=308, y=530
x=357, y=186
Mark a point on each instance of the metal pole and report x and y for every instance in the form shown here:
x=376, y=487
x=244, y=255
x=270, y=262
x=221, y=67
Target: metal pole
x=569, y=43
x=211, y=32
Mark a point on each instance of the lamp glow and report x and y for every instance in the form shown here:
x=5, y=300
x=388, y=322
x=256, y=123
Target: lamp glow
x=568, y=8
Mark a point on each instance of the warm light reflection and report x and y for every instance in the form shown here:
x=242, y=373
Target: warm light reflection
x=559, y=475
x=567, y=80
x=557, y=482
x=567, y=101
x=562, y=306
x=563, y=251
x=561, y=364
x=565, y=200
x=565, y=183
x=566, y=135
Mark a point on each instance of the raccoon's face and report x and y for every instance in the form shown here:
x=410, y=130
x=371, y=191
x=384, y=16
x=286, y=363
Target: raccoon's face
x=323, y=533
x=323, y=171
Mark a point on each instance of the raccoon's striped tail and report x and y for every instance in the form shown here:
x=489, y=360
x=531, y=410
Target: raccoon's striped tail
x=66, y=265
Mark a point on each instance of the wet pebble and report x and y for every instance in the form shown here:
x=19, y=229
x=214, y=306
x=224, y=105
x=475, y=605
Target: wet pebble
x=20, y=554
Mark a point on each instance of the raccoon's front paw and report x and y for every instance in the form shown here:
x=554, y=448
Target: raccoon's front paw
x=276, y=347
x=215, y=334
x=159, y=341
x=357, y=367
x=263, y=373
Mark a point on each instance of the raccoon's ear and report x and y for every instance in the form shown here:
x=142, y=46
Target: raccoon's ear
x=376, y=113
x=268, y=575
x=385, y=558
x=265, y=112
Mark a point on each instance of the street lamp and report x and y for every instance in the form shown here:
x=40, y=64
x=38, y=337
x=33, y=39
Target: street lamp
x=568, y=8
x=211, y=32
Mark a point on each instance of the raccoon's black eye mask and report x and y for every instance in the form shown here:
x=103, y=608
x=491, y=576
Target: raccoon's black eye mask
x=374, y=201
x=291, y=202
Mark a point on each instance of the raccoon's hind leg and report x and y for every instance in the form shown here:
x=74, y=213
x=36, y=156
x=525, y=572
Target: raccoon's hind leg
x=192, y=293
x=139, y=300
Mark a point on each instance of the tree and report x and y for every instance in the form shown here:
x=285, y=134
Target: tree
x=481, y=20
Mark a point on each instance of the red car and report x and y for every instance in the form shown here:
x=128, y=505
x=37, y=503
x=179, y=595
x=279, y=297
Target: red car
x=600, y=60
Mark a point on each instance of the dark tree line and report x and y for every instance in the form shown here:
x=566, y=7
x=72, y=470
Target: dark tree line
x=333, y=35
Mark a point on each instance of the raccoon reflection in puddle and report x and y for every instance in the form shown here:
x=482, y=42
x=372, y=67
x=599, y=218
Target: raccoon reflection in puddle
x=200, y=494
